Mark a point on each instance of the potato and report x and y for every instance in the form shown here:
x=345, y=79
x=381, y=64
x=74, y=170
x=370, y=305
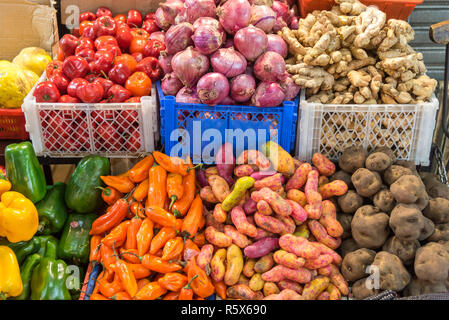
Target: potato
x=441, y=233
x=387, y=151
x=370, y=227
x=270, y=288
x=347, y=246
x=342, y=175
x=264, y=264
x=352, y=159
x=345, y=220
x=408, y=164
x=408, y=189
x=437, y=210
x=432, y=262
x=393, y=275
x=378, y=161
x=405, y=250
x=434, y=187
x=384, y=200
x=427, y=230
x=366, y=182
x=394, y=172
x=407, y=222
x=354, y=264
x=350, y=202
x=419, y=287
x=361, y=291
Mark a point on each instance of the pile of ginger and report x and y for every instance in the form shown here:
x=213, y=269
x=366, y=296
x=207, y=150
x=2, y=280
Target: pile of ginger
x=353, y=54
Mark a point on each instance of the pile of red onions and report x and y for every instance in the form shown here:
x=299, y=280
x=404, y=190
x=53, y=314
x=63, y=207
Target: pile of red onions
x=226, y=52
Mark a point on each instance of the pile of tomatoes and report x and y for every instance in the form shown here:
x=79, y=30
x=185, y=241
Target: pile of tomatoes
x=108, y=59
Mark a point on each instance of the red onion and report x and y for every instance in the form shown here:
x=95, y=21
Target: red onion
x=294, y=23
x=277, y=44
x=199, y=8
x=268, y=94
x=207, y=39
x=158, y=35
x=281, y=10
x=161, y=19
x=187, y=95
x=227, y=101
x=180, y=18
x=170, y=84
x=228, y=62
x=189, y=65
x=165, y=62
x=207, y=21
x=251, y=42
x=269, y=67
x=212, y=88
x=234, y=15
x=263, y=17
x=279, y=24
x=229, y=43
x=178, y=37
x=172, y=8
x=290, y=88
x=242, y=87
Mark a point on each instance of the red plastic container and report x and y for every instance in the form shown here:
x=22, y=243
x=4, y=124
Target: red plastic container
x=12, y=124
x=395, y=9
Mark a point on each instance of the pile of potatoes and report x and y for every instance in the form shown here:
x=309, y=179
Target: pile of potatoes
x=271, y=232
x=394, y=219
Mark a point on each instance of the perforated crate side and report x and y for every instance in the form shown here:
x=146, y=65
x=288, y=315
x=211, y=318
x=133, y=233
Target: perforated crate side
x=330, y=128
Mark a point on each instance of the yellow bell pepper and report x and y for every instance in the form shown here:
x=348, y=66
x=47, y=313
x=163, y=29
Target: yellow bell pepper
x=10, y=281
x=5, y=185
x=19, y=219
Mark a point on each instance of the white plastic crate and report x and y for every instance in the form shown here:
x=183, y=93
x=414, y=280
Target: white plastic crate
x=330, y=128
x=115, y=130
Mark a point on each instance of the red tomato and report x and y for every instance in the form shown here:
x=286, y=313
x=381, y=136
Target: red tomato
x=151, y=67
x=118, y=94
x=90, y=32
x=119, y=73
x=82, y=134
x=87, y=54
x=124, y=37
x=134, y=18
x=84, y=43
x=137, y=45
x=68, y=99
x=138, y=56
x=104, y=41
x=149, y=16
x=102, y=62
x=60, y=81
x=127, y=59
x=133, y=100
x=60, y=55
x=84, y=25
x=103, y=11
x=140, y=33
x=150, y=26
x=52, y=67
x=68, y=44
x=75, y=67
x=106, y=83
x=74, y=84
x=109, y=137
x=91, y=77
x=58, y=126
x=139, y=84
x=120, y=17
x=87, y=16
x=114, y=50
x=46, y=92
x=90, y=92
x=153, y=48
x=105, y=26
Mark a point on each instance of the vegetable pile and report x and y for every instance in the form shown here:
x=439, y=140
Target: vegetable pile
x=227, y=54
x=113, y=60
x=272, y=229
x=353, y=54
x=395, y=219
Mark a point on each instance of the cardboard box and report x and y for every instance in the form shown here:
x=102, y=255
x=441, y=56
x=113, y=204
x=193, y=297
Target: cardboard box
x=116, y=6
x=23, y=23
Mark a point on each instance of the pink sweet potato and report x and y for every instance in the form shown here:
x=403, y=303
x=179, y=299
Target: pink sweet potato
x=312, y=182
x=241, y=223
x=202, y=179
x=313, y=208
x=329, y=219
x=299, y=178
x=273, y=182
x=261, y=248
x=279, y=273
x=298, y=212
x=277, y=203
x=312, y=290
x=288, y=284
x=320, y=262
x=250, y=206
x=219, y=214
x=238, y=238
x=269, y=223
x=205, y=256
x=262, y=233
x=323, y=164
x=286, y=294
x=262, y=174
x=243, y=170
x=334, y=188
x=254, y=157
x=321, y=235
x=336, y=258
x=299, y=246
x=264, y=208
x=287, y=259
x=217, y=238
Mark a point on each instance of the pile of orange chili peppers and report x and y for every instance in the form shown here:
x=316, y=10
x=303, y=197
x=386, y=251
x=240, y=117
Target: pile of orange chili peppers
x=148, y=239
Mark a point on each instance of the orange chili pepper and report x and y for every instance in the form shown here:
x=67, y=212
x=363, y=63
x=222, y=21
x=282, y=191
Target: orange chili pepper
x=181, y=206
x=172, y=249
x=97, y=296
x=130, y=255
x=175, y=188
x=139, y=270
x=173, y=281
x=117, y=235
x=192, y=220
x=202, y=285
x=186, y=292
x=115, y=214
x=122, y=184
x=161, y=238
x=110, y=195
x=131, y=236
x=107, y=256
x=109, y=288
x=171, y=296
x=139, y=172
x=123, y=295
x=151, y=291
x=220, y=288
x=95, y=244
x=142, y=283
x=144, y=236
x=155, y=263
x=126, y=276
x=171, y=164
x=157, y=186
x=161, y=216
x=190, y=250
x=141, y=191
x=199, y=239
x=136, y=209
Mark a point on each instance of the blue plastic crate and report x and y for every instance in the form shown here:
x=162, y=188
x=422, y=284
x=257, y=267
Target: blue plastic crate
x=246, y=127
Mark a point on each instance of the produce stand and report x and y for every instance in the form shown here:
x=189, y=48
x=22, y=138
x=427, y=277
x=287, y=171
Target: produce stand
x=286, y=152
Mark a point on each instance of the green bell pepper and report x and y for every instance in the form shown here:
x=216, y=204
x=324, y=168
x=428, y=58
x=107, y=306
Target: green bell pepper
x=52, y=210
x=48, y=281
x=22, y=249
x=82, y=194
x=74, y=245
x=48, y=246
x=26, y=271
x=24, y=171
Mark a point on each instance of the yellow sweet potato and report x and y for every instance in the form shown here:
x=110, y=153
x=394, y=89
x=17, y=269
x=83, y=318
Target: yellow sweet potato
x=282, y=161
x=217, y=265
x=248, y=268
x=240, y=291
x=314, y=288
x=297, y=196
x=256, y=282
x=264, y=264
x=234, y=267
x=217, y=238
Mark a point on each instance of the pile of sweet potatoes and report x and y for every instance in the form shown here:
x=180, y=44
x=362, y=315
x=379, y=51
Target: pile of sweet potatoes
x=394, y=219
x=271, y=228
